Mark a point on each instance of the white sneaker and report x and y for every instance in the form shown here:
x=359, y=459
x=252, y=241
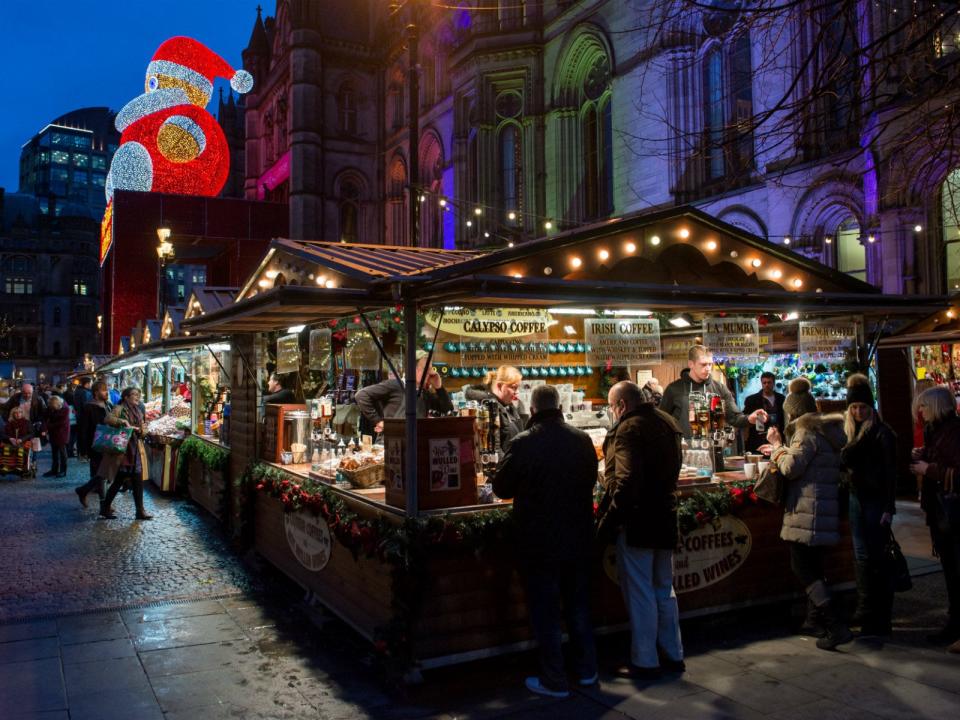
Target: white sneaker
x=533, y=685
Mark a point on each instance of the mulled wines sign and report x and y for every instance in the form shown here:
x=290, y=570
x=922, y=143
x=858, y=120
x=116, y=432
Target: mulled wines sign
x=709, y=555
x=309, y=539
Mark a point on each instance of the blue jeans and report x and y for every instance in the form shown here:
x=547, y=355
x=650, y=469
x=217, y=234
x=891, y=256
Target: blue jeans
x=869, y=540
x=548, y=590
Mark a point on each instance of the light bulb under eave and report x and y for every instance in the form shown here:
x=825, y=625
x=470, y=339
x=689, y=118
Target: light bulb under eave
x=684, y=233
x=263, y=283
x=711, y=245
x=271, y=274
x=654, y=239
x=756, y=262
x=575, y=262
x=321, y=280
x=442, y=202
x=786, y=240
x=776, y=274
x=603, y=255
x=797, y=283
x=330, y=284
x=828, y=239
x=630, y=247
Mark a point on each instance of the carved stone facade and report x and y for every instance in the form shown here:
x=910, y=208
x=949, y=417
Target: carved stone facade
x=541, y=115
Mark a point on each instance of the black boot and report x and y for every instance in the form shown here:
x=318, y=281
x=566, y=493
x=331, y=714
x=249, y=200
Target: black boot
x=877, y=621
x=812, y=625
x=836, y=632
x=863, y=594
x=105, y=510
x=136, y=485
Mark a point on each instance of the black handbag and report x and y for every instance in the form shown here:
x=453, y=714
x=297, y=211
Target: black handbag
x=897, y=570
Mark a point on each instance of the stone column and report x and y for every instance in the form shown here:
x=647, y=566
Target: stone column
x=306, y=136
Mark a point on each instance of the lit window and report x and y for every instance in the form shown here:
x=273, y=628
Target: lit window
x=81, y=160
x=19, y=286
x=79, y=286
x=59, y=156
x=98, y=162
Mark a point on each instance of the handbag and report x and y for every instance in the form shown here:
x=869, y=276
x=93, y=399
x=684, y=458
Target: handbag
x=108, y=440
x=897, y=570
x=770, y=486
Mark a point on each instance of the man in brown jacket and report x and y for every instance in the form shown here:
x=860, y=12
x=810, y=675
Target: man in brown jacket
x=642, y=457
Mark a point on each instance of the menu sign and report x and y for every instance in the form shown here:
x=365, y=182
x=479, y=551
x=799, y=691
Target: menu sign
x=677, y=348
x=493, y=322
x=629, y=341
x=444, y=464
x=732, y=339
x=288, y=354
x=507, y=352
x=320, y=348
x=711, y=554
x=827, y=341
x=362, y=352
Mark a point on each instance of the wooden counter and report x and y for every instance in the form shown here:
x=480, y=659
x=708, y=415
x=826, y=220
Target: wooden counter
x=207, y=487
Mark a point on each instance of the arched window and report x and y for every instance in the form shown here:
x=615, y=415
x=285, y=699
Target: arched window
x=19, y=271
x=395, y=105
x=596, y=122
x=431, y=180
x=347, y=109
x=511, y=169
x=851, y=254
x=56, y=316
x=349, y=212
x=728, y=109
x=950, y=204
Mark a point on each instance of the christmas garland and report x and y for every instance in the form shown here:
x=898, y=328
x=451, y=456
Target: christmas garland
x=707, y=507
x=193, y=448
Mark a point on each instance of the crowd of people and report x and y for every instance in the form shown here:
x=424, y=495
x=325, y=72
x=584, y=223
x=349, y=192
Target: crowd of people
x=830, y=465
x=66, y=417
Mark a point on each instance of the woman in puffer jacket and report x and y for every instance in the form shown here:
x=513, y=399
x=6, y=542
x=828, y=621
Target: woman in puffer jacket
x=810, y=465
x=871, y=457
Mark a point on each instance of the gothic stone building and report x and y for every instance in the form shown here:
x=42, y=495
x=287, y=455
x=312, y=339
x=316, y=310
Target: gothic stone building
x=540, y=115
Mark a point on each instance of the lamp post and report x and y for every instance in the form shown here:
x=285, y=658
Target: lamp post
x=165, y=254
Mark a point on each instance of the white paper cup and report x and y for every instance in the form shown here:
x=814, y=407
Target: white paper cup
x=750, y=470
x=763, y=465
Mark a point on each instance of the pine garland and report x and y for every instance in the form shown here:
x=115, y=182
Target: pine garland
x=193, y=448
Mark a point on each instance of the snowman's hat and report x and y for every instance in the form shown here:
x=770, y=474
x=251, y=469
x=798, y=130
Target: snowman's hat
x=193, y=62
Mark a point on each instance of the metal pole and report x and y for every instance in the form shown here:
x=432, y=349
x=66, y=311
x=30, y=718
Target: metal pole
x=413, y=179
x=410, y=408
x=167, y=371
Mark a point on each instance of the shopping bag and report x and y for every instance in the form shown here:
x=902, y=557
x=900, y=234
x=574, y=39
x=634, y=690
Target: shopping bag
x=897, y=569
x=35, y=444
x=109, y=440
x=770, y=485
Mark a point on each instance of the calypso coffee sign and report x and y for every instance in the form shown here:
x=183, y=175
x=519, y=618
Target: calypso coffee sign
x=710, y=554
x=492, y=322
x=309, y=539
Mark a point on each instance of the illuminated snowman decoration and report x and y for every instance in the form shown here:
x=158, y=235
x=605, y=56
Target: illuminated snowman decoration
x=169, y=142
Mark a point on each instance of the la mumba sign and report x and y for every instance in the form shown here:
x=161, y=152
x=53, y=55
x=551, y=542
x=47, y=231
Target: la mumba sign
x=704, y=557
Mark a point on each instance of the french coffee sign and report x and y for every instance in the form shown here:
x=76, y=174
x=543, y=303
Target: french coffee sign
x=710, y=555
x=308, y=537
x=492, y=322
x=627, y=341
x=827, y=341
x=732, y=339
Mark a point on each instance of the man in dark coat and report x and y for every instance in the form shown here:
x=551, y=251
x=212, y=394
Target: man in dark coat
x=550, y=470
x=94, y=412
x=33, y=406
x=642, y=459
x=696, y=377
x=771, y=402
x=386, y=399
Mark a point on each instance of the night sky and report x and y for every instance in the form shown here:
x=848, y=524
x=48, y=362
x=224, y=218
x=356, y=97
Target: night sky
x=61, y=55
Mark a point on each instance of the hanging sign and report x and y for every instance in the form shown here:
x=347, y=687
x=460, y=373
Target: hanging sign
x=732, y=339
x=444, y=464
x=362, y=353
x=827, y=341
x=677, y=348
x=633, y=341
x=320, y=347
x=308, y=537
x=288, y=354
x=505, y=352
x=493, y=322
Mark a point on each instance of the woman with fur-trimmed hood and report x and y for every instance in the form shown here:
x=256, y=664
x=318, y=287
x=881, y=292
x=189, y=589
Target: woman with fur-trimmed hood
x=810, y=465
x=871, y=458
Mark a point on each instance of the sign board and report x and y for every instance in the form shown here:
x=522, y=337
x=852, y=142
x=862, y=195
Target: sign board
x=710, y=554
x=288, y=354
x=362, y=353
x=320, y=347
x=309, y=539
x=505, y=352
x=393, y=462
x=677, y=348
x=622, y=342
x=493, y=322
x=444, y=464
x=732, y=339
x=827, y=341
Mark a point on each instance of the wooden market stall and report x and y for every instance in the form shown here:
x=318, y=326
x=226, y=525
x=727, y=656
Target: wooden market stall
x=433, y=580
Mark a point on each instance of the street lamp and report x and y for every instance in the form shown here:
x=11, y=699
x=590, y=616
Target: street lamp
x=165, y=254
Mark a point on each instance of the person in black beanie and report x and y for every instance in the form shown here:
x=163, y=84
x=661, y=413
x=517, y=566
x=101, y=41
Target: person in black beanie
x=870, y=457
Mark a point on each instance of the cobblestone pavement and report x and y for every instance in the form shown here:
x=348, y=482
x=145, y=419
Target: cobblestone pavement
x=258, y=653
x=57, y=557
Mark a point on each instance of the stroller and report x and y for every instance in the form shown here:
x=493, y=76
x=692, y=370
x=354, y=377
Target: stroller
x=20, y=461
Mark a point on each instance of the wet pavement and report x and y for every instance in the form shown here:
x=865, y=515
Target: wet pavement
x=103, y=620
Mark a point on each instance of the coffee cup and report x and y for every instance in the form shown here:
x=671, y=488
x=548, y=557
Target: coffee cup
x=762, y=466
x=750, y=470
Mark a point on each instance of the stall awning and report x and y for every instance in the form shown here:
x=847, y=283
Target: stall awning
x=158, y=349
x=940, y=327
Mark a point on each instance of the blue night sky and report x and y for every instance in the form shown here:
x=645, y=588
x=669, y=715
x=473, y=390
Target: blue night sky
x=61, y=55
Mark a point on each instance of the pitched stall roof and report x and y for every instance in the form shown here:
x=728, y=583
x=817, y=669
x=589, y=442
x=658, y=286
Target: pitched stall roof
x=171, y=322
x=940, y=327
x=666, y=259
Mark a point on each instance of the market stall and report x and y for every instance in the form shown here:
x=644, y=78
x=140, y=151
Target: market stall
x=423, y=567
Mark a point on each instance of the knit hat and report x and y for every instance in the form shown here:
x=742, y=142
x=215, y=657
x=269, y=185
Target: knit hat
x=799, y=401
x=858, y=390
x=194, y=63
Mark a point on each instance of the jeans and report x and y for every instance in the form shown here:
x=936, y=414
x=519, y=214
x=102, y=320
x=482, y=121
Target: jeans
x=869, y=540
x=806, y=562
x=72, y=442
x=58, y=455
x=646, y=580
x=549, y=589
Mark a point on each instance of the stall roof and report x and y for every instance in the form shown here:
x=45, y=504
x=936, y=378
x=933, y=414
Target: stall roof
x=663, y=259
x=171, y=322
x=159, y=348
x=942, y=326
x=208, y=298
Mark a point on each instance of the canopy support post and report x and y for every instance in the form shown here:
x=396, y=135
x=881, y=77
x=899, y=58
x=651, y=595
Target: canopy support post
x=433, y=346
x=410, y=405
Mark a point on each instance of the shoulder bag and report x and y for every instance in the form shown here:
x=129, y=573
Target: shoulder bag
x=770, y=485
x=897, y=569
x=109, y=440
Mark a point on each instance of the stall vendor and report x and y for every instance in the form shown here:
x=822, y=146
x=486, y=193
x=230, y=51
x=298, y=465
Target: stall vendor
x=277, y=392
x=697, y=379
x=503, y=384
x=386, y=399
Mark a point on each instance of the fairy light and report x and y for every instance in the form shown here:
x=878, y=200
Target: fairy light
x=734, y=254
x=511, y=216
x=271, y=274
x=548, y=225
x=263, y=283
x=321, y=280
x=548, y=270
x=469, y=223
x=871, y=238
x=486, y=234
x=478, y=211
x=443, y=202
x=330, y=284
x=786, y=240
x=828, y=239
x=918, y=228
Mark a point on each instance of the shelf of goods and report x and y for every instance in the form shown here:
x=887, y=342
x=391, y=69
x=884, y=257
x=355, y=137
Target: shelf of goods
x=164, y=435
